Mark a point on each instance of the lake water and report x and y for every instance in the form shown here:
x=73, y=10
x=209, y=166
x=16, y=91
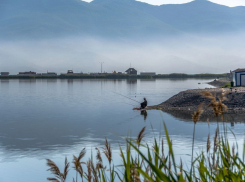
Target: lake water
x=57, y=118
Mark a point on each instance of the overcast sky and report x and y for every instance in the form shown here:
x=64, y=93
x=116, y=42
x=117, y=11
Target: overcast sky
x=231, y=3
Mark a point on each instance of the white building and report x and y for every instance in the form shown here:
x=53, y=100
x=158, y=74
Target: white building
x=238, y=77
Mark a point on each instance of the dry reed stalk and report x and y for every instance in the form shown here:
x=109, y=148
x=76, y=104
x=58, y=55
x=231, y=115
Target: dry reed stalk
x=94, y=172
x=207, y=95
x=66, y=169
x=163, y=156
x=222, y=96
x=208, y=123
x=210, y=165
x=134, y=173
x=196, y=116
x=222, y=107
x=213, y=103
x=140, y=136
x=216, y=142
x=53, y=168
x=218, y=107
x=98, y=156
x=233, y=151
x=217, y=164
x=89, y=171
x=77, y=162
x=142, y=162
x=107, y=151
x=215, y=148
x=137, y=178
x=213, y=161
x=208, y=143
x=99, y=164
x=56, y=171
x=147, y=169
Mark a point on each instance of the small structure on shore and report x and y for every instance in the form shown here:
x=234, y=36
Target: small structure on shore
x=238, y=77
x=5, y=73
x=131, y=71
x=27, y=73
x=148, y=73
x=69, y=71
x=49, y=73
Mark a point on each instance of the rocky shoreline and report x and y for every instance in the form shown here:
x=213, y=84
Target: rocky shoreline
x=189, y=100
x=219, y=83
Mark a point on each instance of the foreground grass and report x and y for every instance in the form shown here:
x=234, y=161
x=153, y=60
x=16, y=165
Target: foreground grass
x=220, y=163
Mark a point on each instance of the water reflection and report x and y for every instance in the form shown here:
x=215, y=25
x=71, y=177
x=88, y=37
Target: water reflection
x=27, y=81
x=51, y=81
x=59, y=121
x=70, y=81
x=144, y=114
x=131, y=81
x=43, y=135
x=4, y=81
x=228, y=118
x=148, y=80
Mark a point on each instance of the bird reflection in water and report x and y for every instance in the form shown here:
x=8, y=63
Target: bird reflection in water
x=144, y=113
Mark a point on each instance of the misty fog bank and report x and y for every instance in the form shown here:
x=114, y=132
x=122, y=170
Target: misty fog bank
x=186, y=54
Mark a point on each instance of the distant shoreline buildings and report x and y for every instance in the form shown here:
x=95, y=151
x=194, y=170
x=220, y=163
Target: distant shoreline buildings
x=130, y=71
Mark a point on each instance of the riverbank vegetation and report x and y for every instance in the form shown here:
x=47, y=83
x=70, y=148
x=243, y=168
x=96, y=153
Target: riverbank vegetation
x=219, y=162
x=228, y=85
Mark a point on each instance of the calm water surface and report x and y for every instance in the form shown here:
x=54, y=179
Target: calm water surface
x=57, y=118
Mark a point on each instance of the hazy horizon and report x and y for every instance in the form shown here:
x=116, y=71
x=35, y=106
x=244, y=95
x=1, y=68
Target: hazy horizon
x=196, y=54
x=199, y=37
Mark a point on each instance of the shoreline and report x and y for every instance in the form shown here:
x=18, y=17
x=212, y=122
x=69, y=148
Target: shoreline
x=219, y=83
x=189, y=100
x=115, y=76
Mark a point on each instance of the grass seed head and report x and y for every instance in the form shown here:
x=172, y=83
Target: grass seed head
x=56, y=171
x=107, y=151
x=89, y=171
x=198, y=113
x=140, y=136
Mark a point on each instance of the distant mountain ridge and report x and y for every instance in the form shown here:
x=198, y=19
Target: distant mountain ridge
x=114, y=18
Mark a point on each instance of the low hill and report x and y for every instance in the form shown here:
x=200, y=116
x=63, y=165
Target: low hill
x=114, y=18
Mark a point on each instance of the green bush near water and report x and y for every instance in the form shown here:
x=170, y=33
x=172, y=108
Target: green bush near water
x=228, y=85
x=219, y=163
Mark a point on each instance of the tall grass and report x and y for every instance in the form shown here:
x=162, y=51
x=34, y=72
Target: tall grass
x=220, y=163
